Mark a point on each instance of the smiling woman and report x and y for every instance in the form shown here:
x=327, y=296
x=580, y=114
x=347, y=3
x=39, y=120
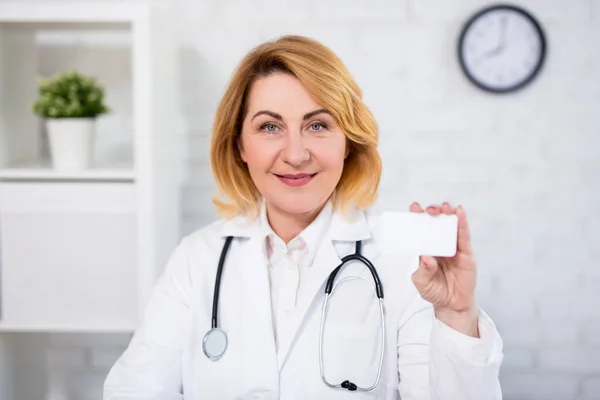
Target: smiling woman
x=245, y=307
x=295, y=161
x=301, y=114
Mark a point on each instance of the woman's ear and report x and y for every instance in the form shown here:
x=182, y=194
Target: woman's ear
x=238, y=143
x=349, y=149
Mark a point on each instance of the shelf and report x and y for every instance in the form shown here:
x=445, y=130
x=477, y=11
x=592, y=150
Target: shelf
x=76, y=12
x=92, y=327
x=102, y=235
x=81, y=251
x=41, y=170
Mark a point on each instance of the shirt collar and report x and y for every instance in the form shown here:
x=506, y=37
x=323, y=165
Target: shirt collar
x=314, y=233
x=310, y=237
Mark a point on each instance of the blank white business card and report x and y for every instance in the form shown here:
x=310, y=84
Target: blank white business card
x=419, y=233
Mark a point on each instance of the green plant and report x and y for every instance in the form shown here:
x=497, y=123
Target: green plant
x=69, y=94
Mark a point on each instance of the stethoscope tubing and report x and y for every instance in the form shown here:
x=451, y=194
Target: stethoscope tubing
x=329, y=288
x=215, y=307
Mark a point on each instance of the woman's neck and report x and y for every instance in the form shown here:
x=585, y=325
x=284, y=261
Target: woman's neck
x=286, y=225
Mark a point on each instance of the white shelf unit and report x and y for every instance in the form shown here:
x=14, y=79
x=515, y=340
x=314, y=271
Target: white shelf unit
x=41, y=170
x=81, y=251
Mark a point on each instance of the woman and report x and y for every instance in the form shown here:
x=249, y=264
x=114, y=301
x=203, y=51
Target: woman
x=294, y=156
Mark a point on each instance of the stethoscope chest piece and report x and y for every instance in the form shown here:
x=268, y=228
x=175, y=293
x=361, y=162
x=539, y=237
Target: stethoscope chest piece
x=214, y=343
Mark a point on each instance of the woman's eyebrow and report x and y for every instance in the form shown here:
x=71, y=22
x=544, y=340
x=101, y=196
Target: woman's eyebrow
x=313, y=113
x=280, y=118
x=271, y=113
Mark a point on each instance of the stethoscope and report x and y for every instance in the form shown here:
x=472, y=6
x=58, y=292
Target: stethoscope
x=215, y=340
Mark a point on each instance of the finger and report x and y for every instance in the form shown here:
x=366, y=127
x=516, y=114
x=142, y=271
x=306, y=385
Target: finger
x=428, y=267
x=447, y=208
x=464, y=234
x=433, y=210
x=415, y=207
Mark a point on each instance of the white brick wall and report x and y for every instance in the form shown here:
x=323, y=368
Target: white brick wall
x=525, y=166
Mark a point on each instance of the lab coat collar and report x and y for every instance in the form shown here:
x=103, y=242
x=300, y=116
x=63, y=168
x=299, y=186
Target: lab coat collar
x=350, y=227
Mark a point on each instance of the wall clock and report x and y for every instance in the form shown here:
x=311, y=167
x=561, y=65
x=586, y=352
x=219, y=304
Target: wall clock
x=501, y=48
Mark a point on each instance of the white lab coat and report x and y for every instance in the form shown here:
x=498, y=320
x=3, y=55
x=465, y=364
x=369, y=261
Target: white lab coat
x=424, y=359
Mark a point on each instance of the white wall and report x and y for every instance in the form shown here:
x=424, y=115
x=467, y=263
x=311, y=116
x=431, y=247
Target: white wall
x=525, y=166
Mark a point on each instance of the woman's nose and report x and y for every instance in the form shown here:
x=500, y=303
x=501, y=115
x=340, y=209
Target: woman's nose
x=295, y=151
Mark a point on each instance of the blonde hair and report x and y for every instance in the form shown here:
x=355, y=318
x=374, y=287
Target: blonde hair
x=326, y=78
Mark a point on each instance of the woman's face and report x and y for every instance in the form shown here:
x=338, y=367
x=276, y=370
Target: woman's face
x=293, y=148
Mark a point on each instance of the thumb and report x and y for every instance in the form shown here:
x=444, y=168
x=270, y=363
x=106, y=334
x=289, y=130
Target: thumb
x=428, y=267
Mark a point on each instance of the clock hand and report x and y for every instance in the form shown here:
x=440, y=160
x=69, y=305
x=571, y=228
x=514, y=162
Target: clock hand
x=499, y=49
x=504, y=23
x=488, y=54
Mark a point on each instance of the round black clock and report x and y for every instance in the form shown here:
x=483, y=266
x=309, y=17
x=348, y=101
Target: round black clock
x=501, y=48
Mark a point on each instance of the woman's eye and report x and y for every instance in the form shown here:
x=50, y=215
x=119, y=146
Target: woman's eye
x=269, y=127
x=318, y=126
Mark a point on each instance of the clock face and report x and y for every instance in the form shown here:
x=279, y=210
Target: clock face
x=501, y=49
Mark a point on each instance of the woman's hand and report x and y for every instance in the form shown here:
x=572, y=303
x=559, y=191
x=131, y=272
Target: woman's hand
x=449, y=282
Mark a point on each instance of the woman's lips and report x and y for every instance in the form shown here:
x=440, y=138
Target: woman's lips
x=295, y=179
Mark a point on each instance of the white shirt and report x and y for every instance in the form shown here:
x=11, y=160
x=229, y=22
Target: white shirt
x=288, y=264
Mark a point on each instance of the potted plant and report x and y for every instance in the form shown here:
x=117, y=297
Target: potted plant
x=70, y=102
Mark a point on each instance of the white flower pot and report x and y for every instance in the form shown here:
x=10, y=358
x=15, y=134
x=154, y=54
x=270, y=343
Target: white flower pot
x=71, y=142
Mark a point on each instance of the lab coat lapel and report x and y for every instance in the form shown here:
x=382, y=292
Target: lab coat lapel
x=326, y=260
x=258, y=336
x=257, y=296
